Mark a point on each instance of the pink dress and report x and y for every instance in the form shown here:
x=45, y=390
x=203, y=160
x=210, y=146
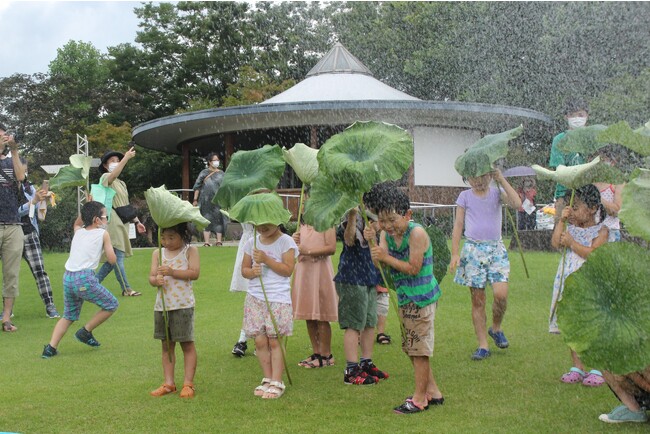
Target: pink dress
x=313, y=293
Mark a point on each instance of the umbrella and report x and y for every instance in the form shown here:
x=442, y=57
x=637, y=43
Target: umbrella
x=519, y=171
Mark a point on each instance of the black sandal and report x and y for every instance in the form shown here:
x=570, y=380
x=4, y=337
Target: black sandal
x=383, y=339
x=313, y=361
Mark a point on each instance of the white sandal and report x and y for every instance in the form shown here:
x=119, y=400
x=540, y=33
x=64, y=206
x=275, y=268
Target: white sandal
x=275, y=390
x=263, y=387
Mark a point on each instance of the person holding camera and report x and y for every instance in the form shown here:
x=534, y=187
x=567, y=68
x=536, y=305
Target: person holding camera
x=112, y=164
x=12, y=172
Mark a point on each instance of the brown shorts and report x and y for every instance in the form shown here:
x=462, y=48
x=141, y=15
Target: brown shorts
x=181, y=325
x=418, y=325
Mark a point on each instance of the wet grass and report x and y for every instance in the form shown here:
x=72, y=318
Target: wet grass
x=87, y=390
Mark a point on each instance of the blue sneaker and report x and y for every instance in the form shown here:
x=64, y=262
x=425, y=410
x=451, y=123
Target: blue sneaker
x=49, y=351
x=499, y=338
x=622, y=414
x=86, y=337
x=480, y=354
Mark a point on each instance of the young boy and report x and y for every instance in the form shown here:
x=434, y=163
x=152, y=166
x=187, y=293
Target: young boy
x=405, y=248
x=79, y=281
x=355, y=283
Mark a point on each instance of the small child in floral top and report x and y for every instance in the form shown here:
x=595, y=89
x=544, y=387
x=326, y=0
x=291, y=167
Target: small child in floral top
x=180, y=266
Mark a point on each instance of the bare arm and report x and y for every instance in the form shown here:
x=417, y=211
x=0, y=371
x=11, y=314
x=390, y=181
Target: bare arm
x=153, y=270
x=328, y=248
x=111, y=258
x=284, y=268
x=192, y=272
x=418, y=245
x=510, y=197
x=614, y=207
x=112, y=176
x=456, y=235
x=351, y=228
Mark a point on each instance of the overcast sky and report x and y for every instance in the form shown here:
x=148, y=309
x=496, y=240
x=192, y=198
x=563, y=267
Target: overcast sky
x=32, y=31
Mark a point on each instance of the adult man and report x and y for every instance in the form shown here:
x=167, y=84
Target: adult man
x=12, y=171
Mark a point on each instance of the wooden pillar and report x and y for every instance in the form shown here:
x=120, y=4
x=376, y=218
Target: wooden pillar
x=185, y=175
x=229, y=141
x=313, y=137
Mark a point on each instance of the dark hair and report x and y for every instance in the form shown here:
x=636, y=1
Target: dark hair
x=181, y=229
x=387, y=197
x=211, y=155
x=3, y=128
x=590, y=195
x=90, y=210
x=573, y=105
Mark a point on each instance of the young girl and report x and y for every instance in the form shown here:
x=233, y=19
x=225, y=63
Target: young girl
x=180, y=266
x=584, y=233
x=314, y=296
x=484, y=258
x=271, y=256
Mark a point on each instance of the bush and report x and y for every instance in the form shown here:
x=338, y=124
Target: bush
x=57, y=229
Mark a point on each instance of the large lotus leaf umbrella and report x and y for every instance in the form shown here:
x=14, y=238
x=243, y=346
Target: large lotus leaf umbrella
x=582, y=174
x=73, y=175
x=304, y=161
x=635, y=209
x=249, y=171
x=327, y=204
x=583, y=140
x=636, y=140
x=479, y=158
x=365, y=154
x=604, y=313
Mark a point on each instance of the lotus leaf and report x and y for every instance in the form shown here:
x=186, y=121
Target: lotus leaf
x=259, y=209
x=248, y=171
x=81, y=162
x=635, y=210
x=604, y=313
x=636, y=140
x=168, y=210
x=364, y=154
x=581, y=174
x=479, y=158
x=68, y=176
x=584, y=140
x=441, y=252
x=327, y=204
x=303, y=160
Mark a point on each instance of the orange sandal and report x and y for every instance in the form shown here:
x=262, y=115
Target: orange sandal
x=188, y=391
x=163, y=390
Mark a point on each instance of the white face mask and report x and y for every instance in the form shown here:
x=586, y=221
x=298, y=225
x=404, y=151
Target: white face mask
x=112, y=167
x=215, y=164
x=577, y=122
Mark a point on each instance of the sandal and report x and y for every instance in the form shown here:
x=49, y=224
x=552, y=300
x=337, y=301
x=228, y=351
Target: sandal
x=275, y=390
x=329, y=360
x=8, y=326
x=575, y=375
x=219, y=243
x=383, y=339
x=131, y=293
x=313, y=361
x=187, y=391
x=206, y=244
x=163, y=390
x=263, y=387
x=593, y=379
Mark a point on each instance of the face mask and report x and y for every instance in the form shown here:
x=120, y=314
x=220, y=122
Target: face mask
x=112, y=166
x=577, y=122
x=215, y=164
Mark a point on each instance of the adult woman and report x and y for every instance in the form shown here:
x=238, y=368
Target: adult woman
x=112, y=164
x=205, y=187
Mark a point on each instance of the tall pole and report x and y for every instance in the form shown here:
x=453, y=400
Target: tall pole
x=82, y=148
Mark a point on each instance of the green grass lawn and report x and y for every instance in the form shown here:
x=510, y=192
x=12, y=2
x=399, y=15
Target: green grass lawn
x=85, y=390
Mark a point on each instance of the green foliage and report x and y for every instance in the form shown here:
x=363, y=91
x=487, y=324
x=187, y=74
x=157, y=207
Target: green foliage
x=604, y=313
x=67, y=176
x=168, y=210
x=55, y=232
x=635, y=208
x=636, y=140
x=582, y=140
x=303, y=160
x=581, y=174
x=327, y=204
x=253, y=87
x=441, y=252
x=626, y=97
x=479, y=158
x=259, y=209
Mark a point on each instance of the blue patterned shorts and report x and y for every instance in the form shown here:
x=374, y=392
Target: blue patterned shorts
x=482, y=262
x=80, y=286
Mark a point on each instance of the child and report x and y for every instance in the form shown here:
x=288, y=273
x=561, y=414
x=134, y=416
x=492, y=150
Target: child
x=180, y=266
x=584, y=233
x=484, y=258
x=239, y=284
x=611, y=196
x=405, y=248
x=271, y=256
x=632, y=391
x=79, y=280
x=355, y=282
x=382, y=312
x=527, y=216
x=313, y=296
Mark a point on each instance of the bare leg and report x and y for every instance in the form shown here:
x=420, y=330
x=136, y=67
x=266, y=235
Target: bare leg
x=263, y=355
x=219, y=237
x=168, y=366
x=277, y=365
x=479, y=317
x=499, y=304
x=206, y=237
x=367, y=342
x=189, y=361
x=614, y=381
x=60, y=328
x=424, y=381
x=312, y=331
x=350, y=344
x=8, y=306
x=97, y=319
x=325, y=338
x=381, y=324
x=576, y=361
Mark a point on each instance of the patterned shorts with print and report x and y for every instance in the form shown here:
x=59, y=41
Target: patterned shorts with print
x=482, y=262
x=257, y=320
x=418, y=327
x=80, y=286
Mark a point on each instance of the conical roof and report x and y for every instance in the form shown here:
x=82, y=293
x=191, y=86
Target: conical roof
x=339, y=76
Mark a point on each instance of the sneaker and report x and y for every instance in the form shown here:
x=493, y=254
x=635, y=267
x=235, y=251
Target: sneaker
x=499, y=338
x=240, y=349
x=51, y=312
x=409, y=407
x=358, y=377
x=373, y=371
x=481, y=353
x=622, y=414
x=49, y=351
x=86, y=337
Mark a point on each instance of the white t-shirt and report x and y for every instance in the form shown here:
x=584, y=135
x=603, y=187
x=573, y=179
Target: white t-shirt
x=85, y=250
x=278, y=288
